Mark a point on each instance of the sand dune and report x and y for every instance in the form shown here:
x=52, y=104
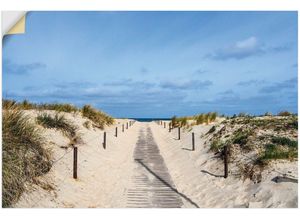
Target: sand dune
x=200, y=176
x=105, y=175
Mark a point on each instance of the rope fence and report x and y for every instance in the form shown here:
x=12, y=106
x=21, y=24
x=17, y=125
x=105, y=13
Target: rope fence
x=80, y=156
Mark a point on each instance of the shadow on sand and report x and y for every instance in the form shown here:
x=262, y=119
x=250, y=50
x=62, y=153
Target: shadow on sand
x=165, y=183
x=183, y=148
x=215, y=175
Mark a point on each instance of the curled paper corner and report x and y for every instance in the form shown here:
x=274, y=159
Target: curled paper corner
x=13, y=22
x=19, y=27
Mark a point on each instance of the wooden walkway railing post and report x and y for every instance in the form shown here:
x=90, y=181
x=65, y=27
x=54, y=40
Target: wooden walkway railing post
x=193, y=141
x=164, y=124
x=104, y=140
x=169, y=127
x=122, y=127
x=225, y=161
x=75, y=154
x=126, y=125
x=116, y=132
x=178, y=133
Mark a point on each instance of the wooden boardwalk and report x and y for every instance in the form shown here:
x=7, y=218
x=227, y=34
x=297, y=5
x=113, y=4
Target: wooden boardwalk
x=152, y=186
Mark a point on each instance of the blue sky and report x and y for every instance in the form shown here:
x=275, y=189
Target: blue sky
x=156, y=64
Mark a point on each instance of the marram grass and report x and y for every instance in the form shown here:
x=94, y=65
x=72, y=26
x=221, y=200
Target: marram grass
x=23, y=155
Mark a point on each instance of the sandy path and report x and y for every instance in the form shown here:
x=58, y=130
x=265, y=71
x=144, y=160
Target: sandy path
x=152, y=185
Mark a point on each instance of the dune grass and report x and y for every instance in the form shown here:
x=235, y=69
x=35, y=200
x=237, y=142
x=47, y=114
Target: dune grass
x=198, y=119
x=280, y=148
x=216, y=145
x=205, y=118
x=100, y=119
x=58, y=122
x=285, y=142
x=23, y=155
x=26, y=105
x=274, y=152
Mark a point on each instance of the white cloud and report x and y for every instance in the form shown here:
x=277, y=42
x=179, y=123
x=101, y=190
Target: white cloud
x=250, y=42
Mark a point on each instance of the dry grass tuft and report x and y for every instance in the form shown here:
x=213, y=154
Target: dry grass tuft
x=23, y=155
x=100, y=119
x=26, y=105
x=87, y=124
x=57, y=122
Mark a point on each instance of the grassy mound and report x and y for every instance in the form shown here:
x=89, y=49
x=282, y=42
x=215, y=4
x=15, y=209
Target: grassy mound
x=256, y=141
x=23, y=155
x=100, y=119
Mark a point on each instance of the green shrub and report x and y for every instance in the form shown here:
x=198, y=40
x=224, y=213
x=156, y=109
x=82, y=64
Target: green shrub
x=216, y=145
x=241, y=137
x=293, y=123
x=276, y=152
x=285, y=141
x=23, y=155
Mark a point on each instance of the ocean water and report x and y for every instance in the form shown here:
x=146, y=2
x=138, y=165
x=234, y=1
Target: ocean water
x=149, y=119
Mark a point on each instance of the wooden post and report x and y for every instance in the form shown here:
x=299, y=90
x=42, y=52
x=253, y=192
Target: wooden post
x=169, y=127
x=122, y=127
x=116, y=131
x=164, y=124
x=75, y=162
x=178, y=133
x=127, y=125
x=225, y=161
x=104, y=140
x=193, y=141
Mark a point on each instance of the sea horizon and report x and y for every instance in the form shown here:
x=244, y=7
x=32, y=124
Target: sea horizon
x=149, y=119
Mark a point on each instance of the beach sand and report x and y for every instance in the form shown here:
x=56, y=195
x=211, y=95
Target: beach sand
x=199, y=175
x=106, y=175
